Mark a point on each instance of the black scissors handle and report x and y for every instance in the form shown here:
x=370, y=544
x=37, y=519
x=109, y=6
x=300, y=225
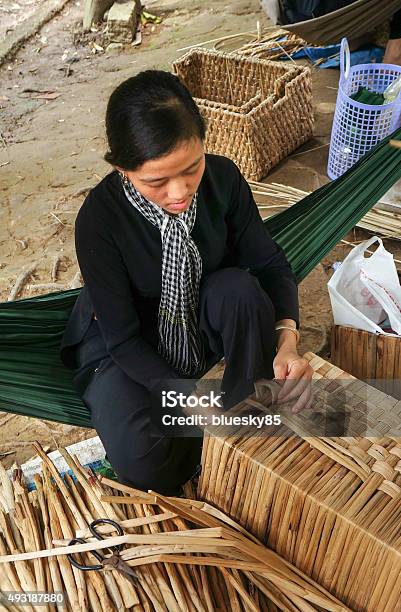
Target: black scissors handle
x=99, y=536
x=106, y=521
x=81, y=566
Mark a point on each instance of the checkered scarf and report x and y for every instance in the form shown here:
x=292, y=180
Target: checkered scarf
x=179, y=338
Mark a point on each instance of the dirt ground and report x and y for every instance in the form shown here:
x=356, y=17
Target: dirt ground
x=52, y=105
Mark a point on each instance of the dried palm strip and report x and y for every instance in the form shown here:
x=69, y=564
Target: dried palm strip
x=169, y=572
x=119, y=587
x=180, y=575
x=95, y=605
x=292, y=591
x=77, y=493
x=256, y=551
x=3, y=502
x=206, y=588
x=10, y=577
x=63, y=563
x=128, y=524
x=151, y=581
x=115, y=582
x=147, y=498
x=83, y=480
x=65, y=523
x=215, y=40
x=157, y=579
x=148, y=551
x=97, y=580
x=145, y=600
x=200, y=505
x=155, y=539
x=61, y=485
x=56, y=580
x=279, y=598
x=32, y=535
x=24, y=571
x=111, y=510
x=7, y=489
x=238, y=586
x=232, y=593
x=67, y=531
x=193, y=580
x=8, y=497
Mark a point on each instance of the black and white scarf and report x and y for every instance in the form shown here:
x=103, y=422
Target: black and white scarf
x=180, y=342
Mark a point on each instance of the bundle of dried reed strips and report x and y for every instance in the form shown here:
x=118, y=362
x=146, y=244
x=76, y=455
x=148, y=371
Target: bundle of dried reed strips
x=273, y=47
x=187, y=555
x=276, y=196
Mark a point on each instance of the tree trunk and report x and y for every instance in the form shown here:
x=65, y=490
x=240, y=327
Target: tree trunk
x=94, y=11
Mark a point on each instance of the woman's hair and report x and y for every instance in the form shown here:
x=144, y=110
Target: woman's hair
x=147, y=116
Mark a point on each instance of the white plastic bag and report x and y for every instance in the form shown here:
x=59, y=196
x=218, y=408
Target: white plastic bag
x=365, y=291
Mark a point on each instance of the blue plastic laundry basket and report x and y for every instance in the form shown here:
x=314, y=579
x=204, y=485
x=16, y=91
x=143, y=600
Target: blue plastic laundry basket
x=358, y=127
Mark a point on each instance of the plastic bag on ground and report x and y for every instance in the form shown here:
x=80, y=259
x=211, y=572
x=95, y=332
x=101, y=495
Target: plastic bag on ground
x=365, y=291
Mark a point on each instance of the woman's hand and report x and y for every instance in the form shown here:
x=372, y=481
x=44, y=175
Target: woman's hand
x=294, y=373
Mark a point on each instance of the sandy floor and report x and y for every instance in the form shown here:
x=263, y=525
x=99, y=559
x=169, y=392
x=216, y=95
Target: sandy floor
x=13, y=13
x=52, y=103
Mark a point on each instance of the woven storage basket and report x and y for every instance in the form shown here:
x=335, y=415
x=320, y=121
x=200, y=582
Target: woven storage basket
x=257, y=111
x=330, y=506
x=374, y=358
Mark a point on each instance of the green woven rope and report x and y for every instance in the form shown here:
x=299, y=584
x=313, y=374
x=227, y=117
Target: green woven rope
x=34, y=382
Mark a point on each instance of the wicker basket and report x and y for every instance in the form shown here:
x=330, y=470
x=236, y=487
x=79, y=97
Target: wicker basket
x=374, y=358
x=257, y=111
x=330, y=506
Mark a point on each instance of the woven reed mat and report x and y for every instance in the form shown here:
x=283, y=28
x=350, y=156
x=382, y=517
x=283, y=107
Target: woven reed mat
x=329, y=505
x=186, y=556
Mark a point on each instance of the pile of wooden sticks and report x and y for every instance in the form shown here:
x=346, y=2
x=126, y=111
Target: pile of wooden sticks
x=187, y=555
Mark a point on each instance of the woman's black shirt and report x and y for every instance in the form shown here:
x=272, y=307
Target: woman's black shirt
x=119, y=254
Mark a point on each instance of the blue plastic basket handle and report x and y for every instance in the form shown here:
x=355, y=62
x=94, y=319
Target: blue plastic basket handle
x=345, y=59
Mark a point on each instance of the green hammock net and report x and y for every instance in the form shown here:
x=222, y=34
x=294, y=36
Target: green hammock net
x=33, y=380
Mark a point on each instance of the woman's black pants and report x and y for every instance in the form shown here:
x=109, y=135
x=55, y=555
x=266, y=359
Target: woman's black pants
x=237, y=320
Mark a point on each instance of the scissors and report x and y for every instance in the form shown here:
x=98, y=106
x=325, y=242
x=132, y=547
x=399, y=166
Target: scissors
x=114, y=560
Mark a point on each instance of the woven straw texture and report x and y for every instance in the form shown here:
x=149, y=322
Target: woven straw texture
x=257, y=111
x=371, y=357
x=331, y=506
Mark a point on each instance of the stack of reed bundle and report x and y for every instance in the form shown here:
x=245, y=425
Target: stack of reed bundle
x=381, y=222
x=371, y=357
x=329, y=505
x=187, y=555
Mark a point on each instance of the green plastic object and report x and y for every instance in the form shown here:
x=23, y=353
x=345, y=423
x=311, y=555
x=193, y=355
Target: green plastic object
x=364, y=96
x=35, y=383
